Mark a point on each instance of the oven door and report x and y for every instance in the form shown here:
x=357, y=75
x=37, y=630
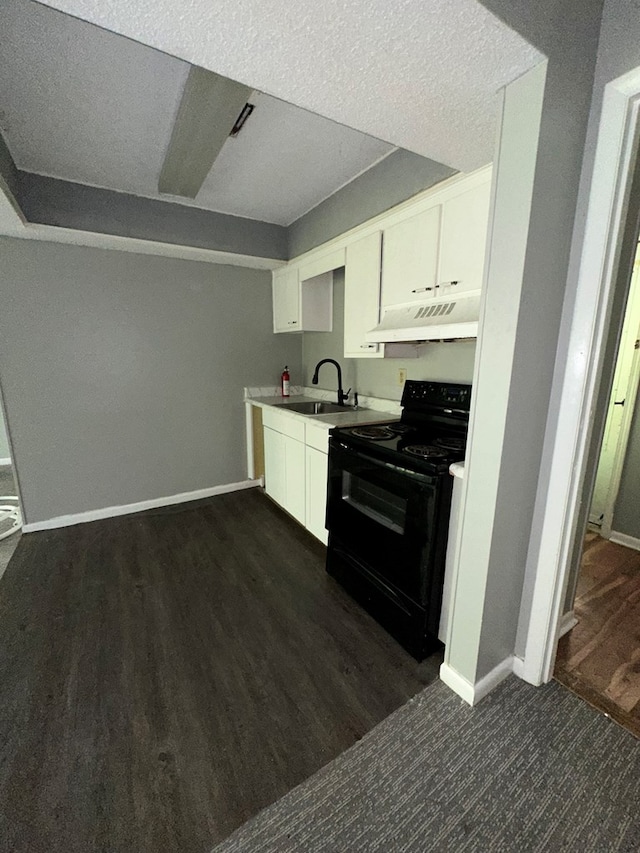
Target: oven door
x=388, y=519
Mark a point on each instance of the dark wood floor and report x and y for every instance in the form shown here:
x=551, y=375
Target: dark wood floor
x=163, y=676
x=600, y=658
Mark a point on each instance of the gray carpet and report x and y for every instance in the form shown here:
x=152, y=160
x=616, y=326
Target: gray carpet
x=526, y=770
x=8, y=545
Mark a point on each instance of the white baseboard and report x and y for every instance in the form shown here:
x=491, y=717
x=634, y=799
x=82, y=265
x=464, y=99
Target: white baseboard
x=140, y=506
x=473, y=693
x=5, y=460
x=623, y=539
x=518, y=667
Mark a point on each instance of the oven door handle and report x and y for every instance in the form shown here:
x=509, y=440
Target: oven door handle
x=380, y=463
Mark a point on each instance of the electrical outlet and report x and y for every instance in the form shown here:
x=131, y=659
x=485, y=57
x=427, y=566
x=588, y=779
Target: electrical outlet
x=402, y=375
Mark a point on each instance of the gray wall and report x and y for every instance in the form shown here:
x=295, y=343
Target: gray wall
x=4, y=441
x=49, y=201
x=122, y=374
x=568, y=34
x=395, y=179
x=378, y=377
x=626, y=516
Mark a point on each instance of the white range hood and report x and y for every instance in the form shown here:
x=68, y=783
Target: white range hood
x=443, y=318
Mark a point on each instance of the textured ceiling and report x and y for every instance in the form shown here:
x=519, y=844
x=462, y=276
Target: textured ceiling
x=83, y=104
x=421, y=74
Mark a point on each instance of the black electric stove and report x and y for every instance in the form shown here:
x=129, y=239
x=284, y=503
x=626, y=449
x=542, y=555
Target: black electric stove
x=389, y=497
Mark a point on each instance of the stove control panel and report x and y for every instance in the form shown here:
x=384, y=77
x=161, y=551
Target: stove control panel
x=439, y=394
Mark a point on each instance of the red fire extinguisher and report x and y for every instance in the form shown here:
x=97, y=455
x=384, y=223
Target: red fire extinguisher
x=284, y=382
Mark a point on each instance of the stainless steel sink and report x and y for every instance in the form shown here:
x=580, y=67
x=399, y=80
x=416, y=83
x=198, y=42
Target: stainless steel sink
x=313, y=408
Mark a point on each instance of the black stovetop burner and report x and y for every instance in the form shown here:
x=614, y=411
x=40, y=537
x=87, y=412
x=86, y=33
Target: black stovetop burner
x=431, y=434
x=432, y=449
x=451, y=442
x=373, y=433
x=425, y=451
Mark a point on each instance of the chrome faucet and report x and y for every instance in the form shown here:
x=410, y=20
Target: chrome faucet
x=342, y=395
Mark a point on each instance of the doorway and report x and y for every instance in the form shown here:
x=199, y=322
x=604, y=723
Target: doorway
x=620, y=415
x=599, y=659
x=587, y=354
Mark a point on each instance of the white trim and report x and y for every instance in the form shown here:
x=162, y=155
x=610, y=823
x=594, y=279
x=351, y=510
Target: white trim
x=518, y=667
x=140, y=506
x=625, y=539
x=567, y=622
x=473, y=693
x=5, y=460
x=248, y=425
x=457, y=683
x=606, y=217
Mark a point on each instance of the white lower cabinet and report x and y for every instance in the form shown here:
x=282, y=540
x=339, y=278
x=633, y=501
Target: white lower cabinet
x=295, y=479
x=295, y=467
x=316, y=474
x=284, y=472
x=274, y=465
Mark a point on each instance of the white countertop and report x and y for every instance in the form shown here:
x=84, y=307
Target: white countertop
x=347, y=418
x=456, y=469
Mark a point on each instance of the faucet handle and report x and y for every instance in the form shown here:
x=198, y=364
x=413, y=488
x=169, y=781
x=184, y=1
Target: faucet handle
x=345, y=395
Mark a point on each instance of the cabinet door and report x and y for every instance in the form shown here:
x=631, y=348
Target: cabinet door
x=286, y=300
x=316, y=475
x=410, y=258
x=464, y=236
x=294, y=478
x=362, y=296
x=274, y=465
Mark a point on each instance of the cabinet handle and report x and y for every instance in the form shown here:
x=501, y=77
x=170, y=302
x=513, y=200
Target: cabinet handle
x=435, y=286
x=367, y=346
x=292, y=323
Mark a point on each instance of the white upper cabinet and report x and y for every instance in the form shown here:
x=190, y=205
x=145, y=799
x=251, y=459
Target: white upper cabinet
x=431, y=246
x=410, y=258
x=302, y=304
x=286, y=300
x=464, y=235
x=362, y=296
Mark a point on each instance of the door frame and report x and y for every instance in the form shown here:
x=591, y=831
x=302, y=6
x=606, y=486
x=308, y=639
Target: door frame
x=625, y=386
x=608, y=205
